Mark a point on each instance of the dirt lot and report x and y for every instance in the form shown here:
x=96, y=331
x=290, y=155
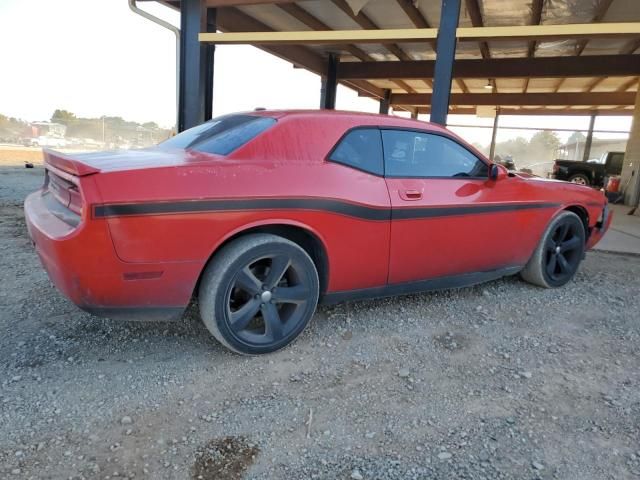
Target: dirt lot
x=499, y=381
x=12, y=155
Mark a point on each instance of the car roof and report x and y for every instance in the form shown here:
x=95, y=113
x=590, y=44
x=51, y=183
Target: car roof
x=355, y=117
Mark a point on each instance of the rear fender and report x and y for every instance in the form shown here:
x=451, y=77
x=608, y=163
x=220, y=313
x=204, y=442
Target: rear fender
x=274, y=222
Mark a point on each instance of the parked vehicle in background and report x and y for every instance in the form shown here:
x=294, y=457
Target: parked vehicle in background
x=592, y=172
x=261, y=215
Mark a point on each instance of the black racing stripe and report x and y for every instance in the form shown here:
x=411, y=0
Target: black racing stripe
x=318, y=204
x=428, y=212
x=195, y=206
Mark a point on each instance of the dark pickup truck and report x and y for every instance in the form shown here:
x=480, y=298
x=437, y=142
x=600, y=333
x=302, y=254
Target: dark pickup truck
x=591, y=172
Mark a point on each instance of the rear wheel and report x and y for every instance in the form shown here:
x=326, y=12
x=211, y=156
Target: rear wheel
x=258, y=293
x=559, y=254
x=580, y=179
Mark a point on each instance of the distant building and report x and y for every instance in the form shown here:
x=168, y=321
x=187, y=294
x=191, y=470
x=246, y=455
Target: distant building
x=48, y=129
x=574, y=150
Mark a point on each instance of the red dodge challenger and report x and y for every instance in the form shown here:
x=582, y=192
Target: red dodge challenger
x=261, y=215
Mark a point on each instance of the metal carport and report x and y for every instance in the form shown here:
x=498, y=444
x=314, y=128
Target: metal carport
x=527, y=57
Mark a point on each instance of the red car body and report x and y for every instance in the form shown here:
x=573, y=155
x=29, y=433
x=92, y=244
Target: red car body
x=131, y=232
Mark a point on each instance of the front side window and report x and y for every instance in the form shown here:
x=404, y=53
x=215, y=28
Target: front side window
x=418, y=154
x=221, y=135
x=361, y=148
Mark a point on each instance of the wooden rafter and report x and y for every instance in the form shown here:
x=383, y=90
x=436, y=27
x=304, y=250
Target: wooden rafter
x=536, y=19
x=631, y=47
x=597, y=18
x=232, y=19
x=476, y=20
x=416, y=17
x=366, y=23
x=582, y=44
x=314, y=23
x=595, y=83
x=238, y=3
x=461, y=85
x=627, y=85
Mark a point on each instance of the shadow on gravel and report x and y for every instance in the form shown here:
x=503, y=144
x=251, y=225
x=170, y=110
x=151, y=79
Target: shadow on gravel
x=225, y=458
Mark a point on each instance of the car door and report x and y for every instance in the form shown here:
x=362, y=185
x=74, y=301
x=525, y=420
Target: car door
x=448, y=217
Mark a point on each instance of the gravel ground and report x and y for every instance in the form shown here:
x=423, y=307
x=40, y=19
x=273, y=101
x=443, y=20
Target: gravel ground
x=504, y=380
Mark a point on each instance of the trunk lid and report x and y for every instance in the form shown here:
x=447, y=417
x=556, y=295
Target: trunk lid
x=119, y=160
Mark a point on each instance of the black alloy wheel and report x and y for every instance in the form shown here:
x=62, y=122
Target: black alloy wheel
x=258, y=293
x=559, y=253
x=268, y=299
x=563, y=251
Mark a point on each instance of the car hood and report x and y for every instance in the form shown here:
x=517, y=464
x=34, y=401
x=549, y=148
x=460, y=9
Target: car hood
x=562, y=187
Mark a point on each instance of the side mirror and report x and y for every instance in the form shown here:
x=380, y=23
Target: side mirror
x=497, y=172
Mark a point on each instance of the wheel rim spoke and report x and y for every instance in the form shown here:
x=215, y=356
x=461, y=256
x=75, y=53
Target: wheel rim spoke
x=550, y=245
x=296, y=294
x=279, y=266
x=273, y=326
x=564, y=265
x=563, y=230
x=248, y=282
x=551, y=265
x=569, y=245
x=241, y=318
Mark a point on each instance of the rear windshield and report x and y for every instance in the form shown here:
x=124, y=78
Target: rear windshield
x=221, y=135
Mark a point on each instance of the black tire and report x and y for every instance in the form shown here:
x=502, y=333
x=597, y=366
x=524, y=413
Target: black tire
x=580, y=179
x=558, y=256
x=268, y=283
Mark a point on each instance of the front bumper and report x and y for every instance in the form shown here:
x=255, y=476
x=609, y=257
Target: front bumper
x=82, y=264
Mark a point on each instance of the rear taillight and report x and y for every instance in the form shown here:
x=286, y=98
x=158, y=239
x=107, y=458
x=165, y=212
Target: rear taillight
x=75, y=200
x=64, y=188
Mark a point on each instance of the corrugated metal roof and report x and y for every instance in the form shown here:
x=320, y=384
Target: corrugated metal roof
x=389, y=14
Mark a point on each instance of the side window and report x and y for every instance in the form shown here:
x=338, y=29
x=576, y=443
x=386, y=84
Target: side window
x=417, y=154
x=361, y=148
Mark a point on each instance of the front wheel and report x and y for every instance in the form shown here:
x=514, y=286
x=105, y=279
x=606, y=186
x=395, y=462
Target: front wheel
x=559, y=253
x=258, y=293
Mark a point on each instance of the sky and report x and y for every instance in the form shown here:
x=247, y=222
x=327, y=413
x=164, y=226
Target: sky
x=96, y=57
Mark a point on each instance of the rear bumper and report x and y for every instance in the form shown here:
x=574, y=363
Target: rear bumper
x=83, y=265
x=600, y=228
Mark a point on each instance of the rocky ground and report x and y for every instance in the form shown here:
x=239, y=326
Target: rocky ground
x=501, y=381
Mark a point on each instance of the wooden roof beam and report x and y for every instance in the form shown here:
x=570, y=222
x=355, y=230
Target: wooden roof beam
x=540, y=111
x=538, y=67
x=518, y=99
x=392, y=36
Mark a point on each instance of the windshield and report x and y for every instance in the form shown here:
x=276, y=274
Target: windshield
x=221, y=135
